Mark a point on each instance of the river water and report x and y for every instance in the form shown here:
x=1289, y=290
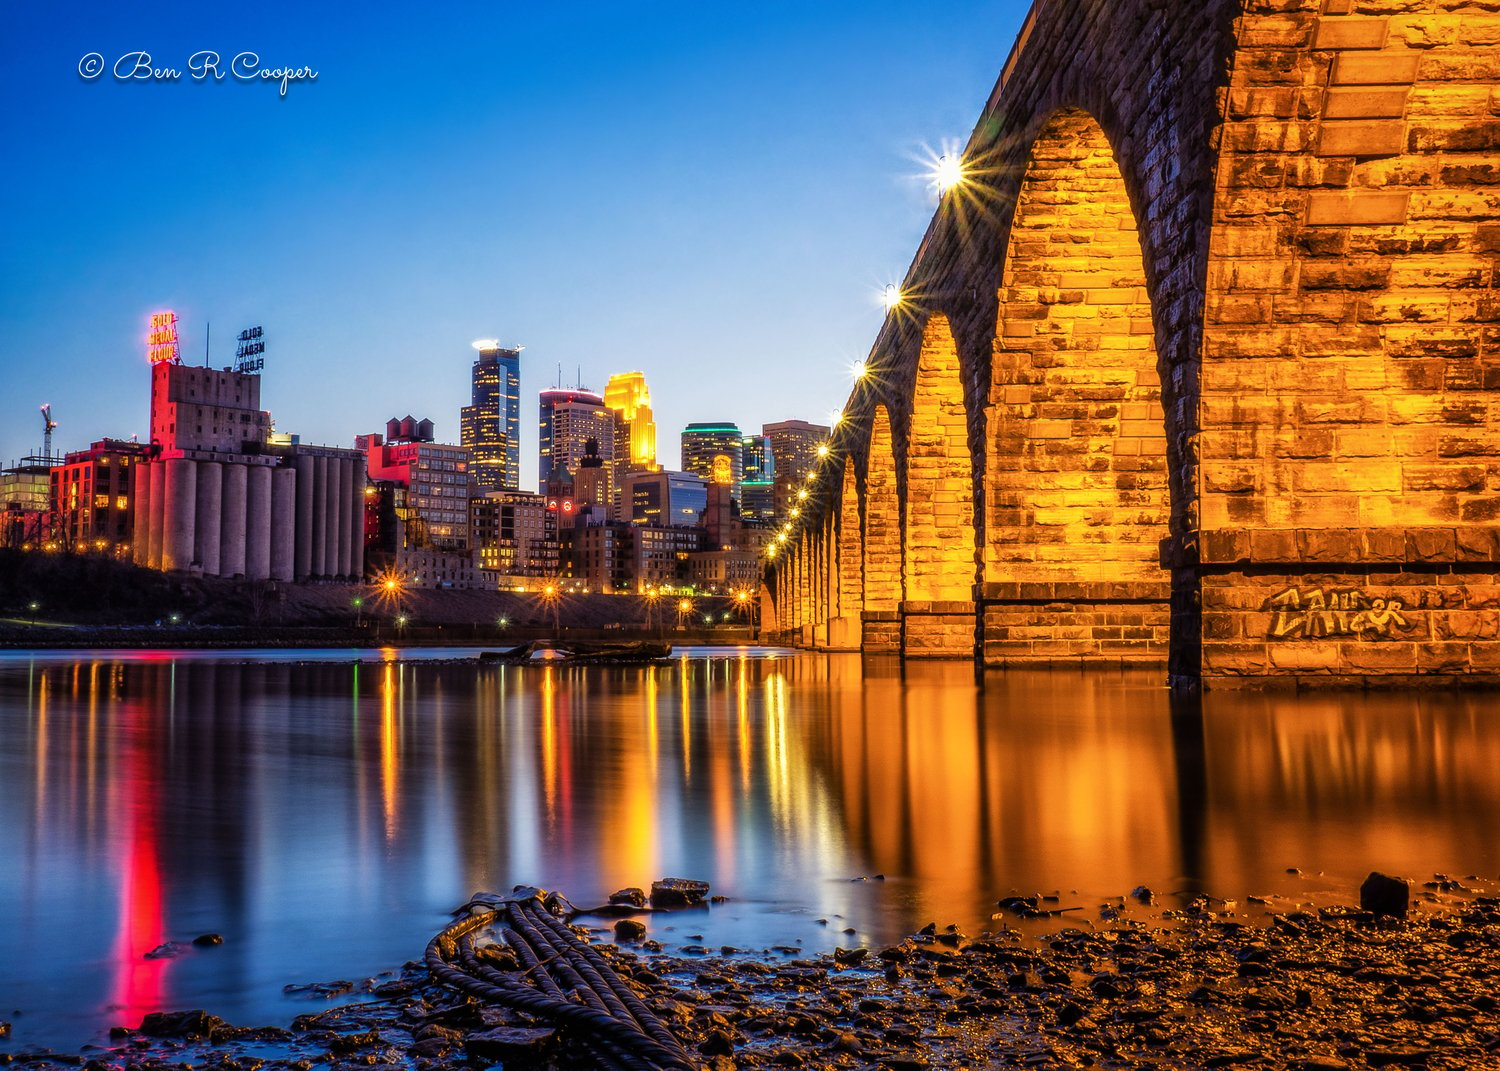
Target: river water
x=324, y=811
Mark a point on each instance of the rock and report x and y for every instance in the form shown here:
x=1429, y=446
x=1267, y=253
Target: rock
x=631, y=897
x=319, y=989
x=717, y=1043
x=629, y=930
x=167, y=950
x=1143, y=895
x=849, y=957
x=1398, y=1057
x=347, y=1043
x=207, y=940
x=511, y=1044
x=180, y=1024
x=1382, y=895
x=1070, y=1013
x=678, y=892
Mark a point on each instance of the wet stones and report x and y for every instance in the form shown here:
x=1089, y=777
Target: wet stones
x=629, y=930
x=631, y=897
x=1384, y=896
x=512, y=1045
x=678, y=892
x=180, y=1024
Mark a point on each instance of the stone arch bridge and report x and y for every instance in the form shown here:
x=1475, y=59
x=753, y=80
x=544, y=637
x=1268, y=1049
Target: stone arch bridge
x=1200, y=364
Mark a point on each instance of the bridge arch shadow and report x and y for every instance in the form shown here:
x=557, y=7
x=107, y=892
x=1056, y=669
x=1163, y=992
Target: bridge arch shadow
x=1076, y=470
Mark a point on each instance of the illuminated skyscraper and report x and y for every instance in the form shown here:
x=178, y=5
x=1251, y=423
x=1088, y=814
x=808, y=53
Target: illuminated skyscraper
x=491, y=427
x=629, y=399
x=701, y=443
x=570, y=417
x=758, y=490
x=794, y=449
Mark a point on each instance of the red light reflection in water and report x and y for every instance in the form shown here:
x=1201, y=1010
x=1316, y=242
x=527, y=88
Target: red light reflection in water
x=140, y=983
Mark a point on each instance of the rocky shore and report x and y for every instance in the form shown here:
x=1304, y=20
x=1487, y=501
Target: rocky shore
x=1210, y=985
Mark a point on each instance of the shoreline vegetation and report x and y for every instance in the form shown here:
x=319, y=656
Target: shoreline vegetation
x=1206, y=985
x=68, y=601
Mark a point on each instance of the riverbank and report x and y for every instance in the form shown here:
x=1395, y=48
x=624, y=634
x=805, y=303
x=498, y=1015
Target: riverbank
x=1134, y=986
x=63, y=601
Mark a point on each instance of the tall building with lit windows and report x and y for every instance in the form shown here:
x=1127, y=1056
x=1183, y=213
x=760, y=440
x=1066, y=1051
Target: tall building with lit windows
x=794, y=450
x=758, y=489
x=629, y=399
x=569, y=418
x=427, y=487
x=702, y=443
x=490, y=427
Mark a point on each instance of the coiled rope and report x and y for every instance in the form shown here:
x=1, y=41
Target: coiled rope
x=562, y=981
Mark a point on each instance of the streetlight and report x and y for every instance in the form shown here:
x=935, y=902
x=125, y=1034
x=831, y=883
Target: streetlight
x=551, y=596
x=891, y=297
x=948, y=173
x=34, y=607
x=359, y=609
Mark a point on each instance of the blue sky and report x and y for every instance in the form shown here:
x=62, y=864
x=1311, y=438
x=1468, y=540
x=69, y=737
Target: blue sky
x=710, y=193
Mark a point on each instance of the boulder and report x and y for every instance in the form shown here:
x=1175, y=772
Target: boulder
x=180, y=1024
x=678, y=892
x=1383, y=895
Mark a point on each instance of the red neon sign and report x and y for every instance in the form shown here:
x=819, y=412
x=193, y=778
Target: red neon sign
x=161, y=337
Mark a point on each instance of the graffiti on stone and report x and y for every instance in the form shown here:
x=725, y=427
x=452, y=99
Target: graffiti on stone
x=1315, y=613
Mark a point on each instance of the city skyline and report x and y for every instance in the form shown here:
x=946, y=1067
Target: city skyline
x=376, y=221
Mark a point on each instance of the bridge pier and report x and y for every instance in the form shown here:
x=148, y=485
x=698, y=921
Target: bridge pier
x=1345, y=605
x=937, y=629
x=845, y=633
x=880, y=632
x=1116, y=623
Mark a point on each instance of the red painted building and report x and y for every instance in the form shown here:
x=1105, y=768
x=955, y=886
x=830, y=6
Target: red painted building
x=92, y=504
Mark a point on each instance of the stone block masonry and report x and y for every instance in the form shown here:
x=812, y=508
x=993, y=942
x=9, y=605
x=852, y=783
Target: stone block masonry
x=1199, y=364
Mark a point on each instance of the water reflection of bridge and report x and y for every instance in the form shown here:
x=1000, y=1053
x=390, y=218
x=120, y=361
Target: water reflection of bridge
x=1196, y=365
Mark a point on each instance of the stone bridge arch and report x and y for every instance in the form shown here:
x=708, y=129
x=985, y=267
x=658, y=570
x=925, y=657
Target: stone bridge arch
x=882, y=540
x=938, y=569
x=1076, y=463
x=844, y=629
x=1312, y=189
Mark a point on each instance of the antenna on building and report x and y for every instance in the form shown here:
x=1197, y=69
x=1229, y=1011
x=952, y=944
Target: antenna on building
x=47, y=425
x=559, y=375
x=207, y=329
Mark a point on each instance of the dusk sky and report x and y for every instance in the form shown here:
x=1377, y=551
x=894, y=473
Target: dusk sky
x=713, y=194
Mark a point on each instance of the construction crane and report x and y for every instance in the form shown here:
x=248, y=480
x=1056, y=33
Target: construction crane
x=47, y=425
